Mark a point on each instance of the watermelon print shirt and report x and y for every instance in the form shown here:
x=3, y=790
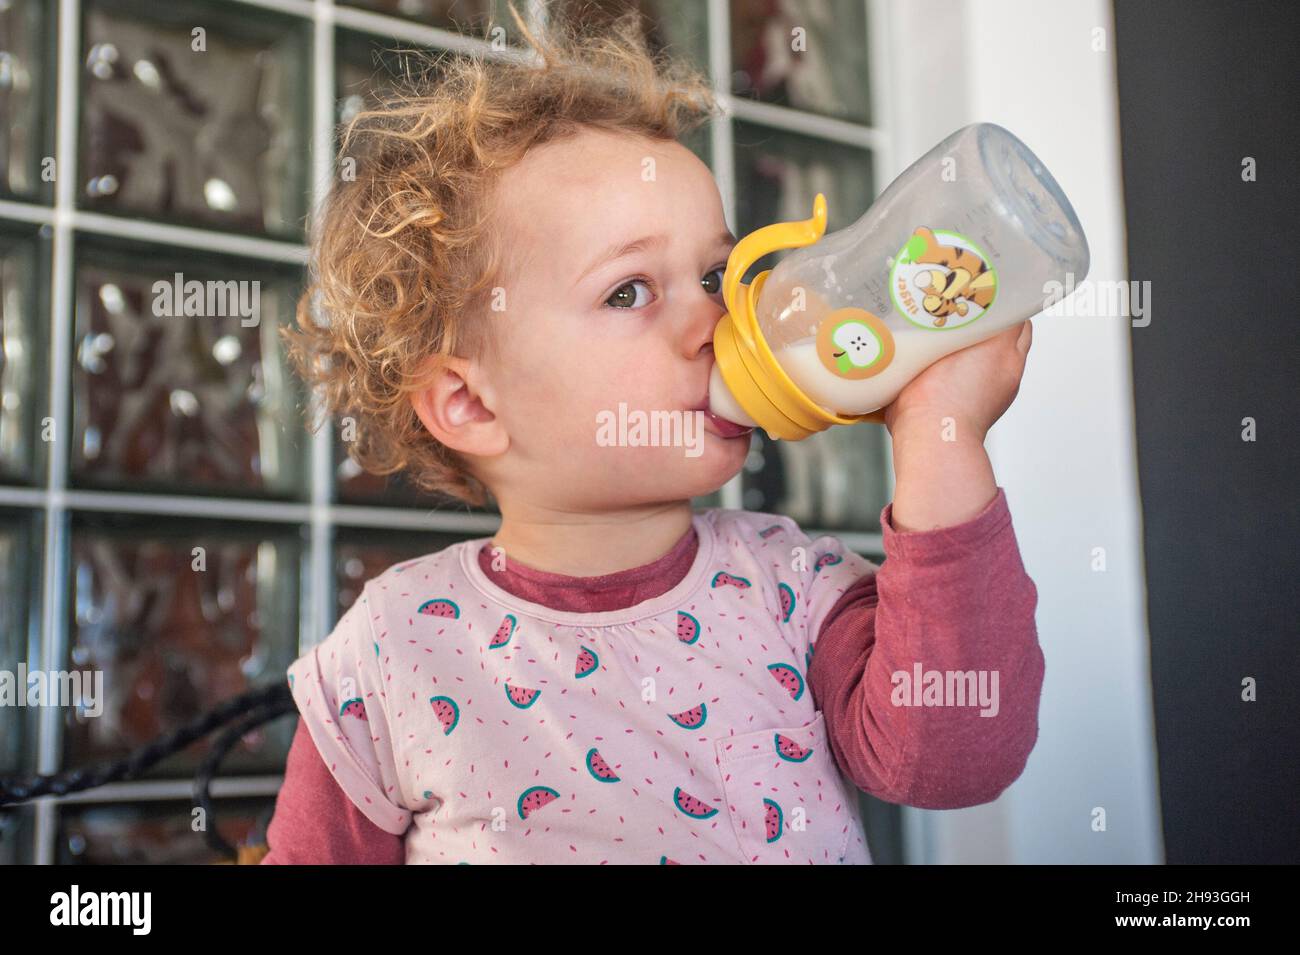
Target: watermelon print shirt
x=481, y=727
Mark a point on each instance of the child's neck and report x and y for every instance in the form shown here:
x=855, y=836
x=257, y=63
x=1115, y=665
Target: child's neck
x=591, y=544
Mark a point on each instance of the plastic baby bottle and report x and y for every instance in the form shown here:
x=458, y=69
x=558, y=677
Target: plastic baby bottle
x=965, y=243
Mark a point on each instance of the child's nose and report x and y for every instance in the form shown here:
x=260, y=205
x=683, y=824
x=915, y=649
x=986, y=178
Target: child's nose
x=705, y=311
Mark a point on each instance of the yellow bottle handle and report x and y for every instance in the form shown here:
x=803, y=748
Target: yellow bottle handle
x=752, y=374
x=770, y=238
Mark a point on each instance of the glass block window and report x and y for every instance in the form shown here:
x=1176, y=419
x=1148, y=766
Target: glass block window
x=368, y=67
x=17, y=835
x=26, y=100
x=19, y=632
x=195, y=112
x=24, y=292
x=178, y=377
x=360, y=554
x=836, y=479
x=467, y=17
x=177, y=619
x=810, y=56
x=153, y=833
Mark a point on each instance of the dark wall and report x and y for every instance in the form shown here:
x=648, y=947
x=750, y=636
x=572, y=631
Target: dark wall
x=1202, y=85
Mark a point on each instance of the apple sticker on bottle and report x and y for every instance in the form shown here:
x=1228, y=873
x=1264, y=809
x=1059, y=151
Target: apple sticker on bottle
x=852, y=343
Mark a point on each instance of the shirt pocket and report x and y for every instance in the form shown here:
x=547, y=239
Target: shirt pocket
x=785, y=795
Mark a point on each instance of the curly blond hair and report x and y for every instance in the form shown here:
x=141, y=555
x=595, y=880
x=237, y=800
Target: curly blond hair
x=404, y=257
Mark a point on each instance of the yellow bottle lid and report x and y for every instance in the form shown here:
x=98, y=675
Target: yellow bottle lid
x=750, y=370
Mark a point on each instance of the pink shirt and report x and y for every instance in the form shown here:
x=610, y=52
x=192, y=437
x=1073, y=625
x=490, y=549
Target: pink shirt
x=694, y=724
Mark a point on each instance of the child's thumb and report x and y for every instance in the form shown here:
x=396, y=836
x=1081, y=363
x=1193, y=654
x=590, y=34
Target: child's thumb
x=1026, y=337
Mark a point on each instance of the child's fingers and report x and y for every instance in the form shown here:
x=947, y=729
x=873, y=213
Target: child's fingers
x=1017, y=336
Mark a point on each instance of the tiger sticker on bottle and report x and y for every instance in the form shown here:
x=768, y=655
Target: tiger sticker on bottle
x=942, y=280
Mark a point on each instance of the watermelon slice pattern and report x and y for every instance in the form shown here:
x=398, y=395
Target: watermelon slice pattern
x=691, y=719
x=724, y=579
x=789, y=750
x=504, y=632
x=448, y=713
x=773, y=820
x=600, y=769
x=354, y=707
x=692, y=806
x=522, y=697
x=826, y=560
x=767, y=780
x=587, y=662
x=788, y=677
x=787, y=601
x=534, y=798
x=441, y=607
x=552, y=743
x=688, y=628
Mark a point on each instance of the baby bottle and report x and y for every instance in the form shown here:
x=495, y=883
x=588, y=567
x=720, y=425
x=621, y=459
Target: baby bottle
x=966, y=242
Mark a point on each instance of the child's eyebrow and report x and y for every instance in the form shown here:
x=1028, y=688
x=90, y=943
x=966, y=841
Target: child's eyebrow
x=621, y=249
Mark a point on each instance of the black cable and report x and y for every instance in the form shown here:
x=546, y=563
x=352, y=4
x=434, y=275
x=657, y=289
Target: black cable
x=269, y=702
x=208, y=769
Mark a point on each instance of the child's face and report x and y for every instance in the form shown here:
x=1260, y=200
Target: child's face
x=578, y=332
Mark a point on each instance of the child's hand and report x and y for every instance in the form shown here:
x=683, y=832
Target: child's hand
x=943, y=473
x=974, y=386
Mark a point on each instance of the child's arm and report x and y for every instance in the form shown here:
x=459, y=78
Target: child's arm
x=955, y=599
x=952, y=598
x=938, y=424
x=315, y=823
x=343, y=722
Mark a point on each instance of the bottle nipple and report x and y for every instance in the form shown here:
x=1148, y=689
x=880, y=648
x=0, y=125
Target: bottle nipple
x=722, y=404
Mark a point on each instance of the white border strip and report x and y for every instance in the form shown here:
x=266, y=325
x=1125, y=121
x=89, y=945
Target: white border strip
x=158, y=233
x=54, y=638
x=231, y=787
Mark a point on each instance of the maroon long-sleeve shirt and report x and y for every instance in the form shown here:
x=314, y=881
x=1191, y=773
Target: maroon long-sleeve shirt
x=945, y=601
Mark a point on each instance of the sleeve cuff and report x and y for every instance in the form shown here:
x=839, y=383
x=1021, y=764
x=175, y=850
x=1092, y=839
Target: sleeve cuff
x=945, y=543
x=343, y=764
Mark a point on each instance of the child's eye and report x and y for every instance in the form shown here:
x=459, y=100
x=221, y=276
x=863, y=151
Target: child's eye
x=714, y=288
x=625, y=296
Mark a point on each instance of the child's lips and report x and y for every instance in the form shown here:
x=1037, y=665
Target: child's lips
x=718, y=425
x=724, y=428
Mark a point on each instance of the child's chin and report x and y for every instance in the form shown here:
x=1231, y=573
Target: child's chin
x=719, y=461
x=672, y=473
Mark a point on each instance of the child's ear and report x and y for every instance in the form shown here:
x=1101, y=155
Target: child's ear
x=454, y=411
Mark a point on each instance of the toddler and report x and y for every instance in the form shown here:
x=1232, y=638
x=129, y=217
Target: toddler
x=614, y=677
